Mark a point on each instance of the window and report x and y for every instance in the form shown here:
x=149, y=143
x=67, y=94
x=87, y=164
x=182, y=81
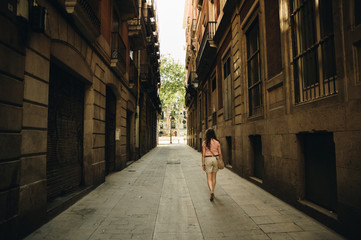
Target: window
x=205, y=107
x=320, y=169
x=357, y=48
x=357, y=10
x=201, y=114
x=214, y=118
x=258, y=159
x=220, y=86
x=227, y=77
x=273, y=38
x=214, y=83
x=313, y=49
x=254, y=70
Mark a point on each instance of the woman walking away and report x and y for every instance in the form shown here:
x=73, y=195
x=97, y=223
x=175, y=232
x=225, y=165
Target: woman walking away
x=211, y=148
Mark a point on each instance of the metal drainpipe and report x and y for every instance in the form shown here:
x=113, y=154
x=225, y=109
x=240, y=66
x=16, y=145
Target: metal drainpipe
x=137, y=117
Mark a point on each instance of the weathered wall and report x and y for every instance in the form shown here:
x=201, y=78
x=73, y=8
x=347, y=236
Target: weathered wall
x=283, y=123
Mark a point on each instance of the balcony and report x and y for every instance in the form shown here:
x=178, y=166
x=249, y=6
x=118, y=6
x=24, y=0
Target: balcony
x=144, y=72
x=154, y=97
x=193, y=79
x=118, y=53
x=146, y=76
x=207, y=50
x=188, y=55
x=199, y=4
x=85, y=16
x=151, y=10
x=151, y=46
x=127, y=8
x=191, y=93
x=156, y=47
x=150, y=19
x=133, y=75
x=155, y=34
x=153, y=24
x=225, y=20
x=136, y=33
x=193, y=28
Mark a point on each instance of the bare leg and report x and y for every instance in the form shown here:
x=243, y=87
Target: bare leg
x=214, y=175
x=210, y=181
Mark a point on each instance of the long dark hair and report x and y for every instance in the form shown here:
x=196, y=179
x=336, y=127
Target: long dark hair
x=209, y=135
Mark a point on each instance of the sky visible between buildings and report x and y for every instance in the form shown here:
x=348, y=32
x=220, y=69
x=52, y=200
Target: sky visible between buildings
x=171, y=32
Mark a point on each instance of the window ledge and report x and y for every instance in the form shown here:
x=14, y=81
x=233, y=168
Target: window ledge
x=256, y=117
x=257, y=180
x=319, y=209
x=316, y=100
x=275, y=82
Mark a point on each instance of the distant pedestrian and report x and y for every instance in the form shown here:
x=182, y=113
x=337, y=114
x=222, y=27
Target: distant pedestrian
x=211, y=148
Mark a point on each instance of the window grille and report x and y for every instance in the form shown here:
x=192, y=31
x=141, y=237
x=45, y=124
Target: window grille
x=313, y=49
x=227, y=76
x=358, y=61
x=214, y=83
x=254, y=70
x=214, y=118
x=357, y=10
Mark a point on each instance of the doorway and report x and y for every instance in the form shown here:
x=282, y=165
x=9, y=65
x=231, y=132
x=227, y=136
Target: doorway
x=130, y=137
x=320, y=169
x=229, y=149
x=258, y=161
x=64, y=168
x=110, y=117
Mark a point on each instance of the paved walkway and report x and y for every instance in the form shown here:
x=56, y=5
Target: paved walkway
x=164, y=195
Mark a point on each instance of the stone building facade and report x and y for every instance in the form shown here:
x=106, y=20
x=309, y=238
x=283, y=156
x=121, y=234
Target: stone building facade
x=78, y=100
x=172, y=123
x=280, y=82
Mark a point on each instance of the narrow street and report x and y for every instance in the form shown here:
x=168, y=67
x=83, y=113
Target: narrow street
x=164, y=196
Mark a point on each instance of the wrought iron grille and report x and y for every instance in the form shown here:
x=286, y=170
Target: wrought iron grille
x=90, y=7
x=214, y=118
x=193, y=28
x=133, y=73
x=313, y=49
x=208, y=35
x=254, y=70
x=118, y=48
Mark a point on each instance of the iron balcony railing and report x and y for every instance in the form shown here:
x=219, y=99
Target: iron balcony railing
x=144, y=72
x=90, y=6
x=188, y=55
x=133, y=73
x=214, y=118
x=118, y=49
x=193, y=79
x=135, y=24
x=193, y=76
x=193, y=27
x=85, y=16
x=208, y=35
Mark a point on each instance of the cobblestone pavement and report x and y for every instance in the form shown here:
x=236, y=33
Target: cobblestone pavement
x=164, y=195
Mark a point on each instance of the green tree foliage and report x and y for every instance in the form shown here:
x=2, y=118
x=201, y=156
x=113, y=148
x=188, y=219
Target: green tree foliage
x=173, y=80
